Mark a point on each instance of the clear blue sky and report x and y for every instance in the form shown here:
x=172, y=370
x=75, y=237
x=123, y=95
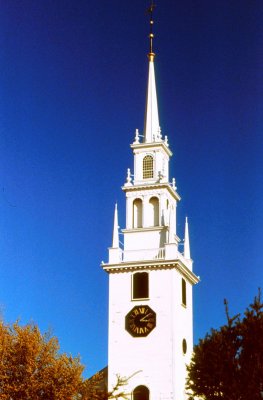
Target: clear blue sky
x=72, y=91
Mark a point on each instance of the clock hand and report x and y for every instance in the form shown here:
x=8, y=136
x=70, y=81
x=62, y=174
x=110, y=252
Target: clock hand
x=143, y=318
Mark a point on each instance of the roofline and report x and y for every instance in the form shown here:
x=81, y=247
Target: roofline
x=147, y=145
x=152, y=265
x=133, y=188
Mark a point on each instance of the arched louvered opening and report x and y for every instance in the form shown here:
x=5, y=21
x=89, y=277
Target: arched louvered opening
x=137, y=213
x=154, y=211
x=147, y=167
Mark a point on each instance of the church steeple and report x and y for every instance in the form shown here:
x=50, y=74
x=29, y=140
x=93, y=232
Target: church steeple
x=151, y=121
x=150, y=279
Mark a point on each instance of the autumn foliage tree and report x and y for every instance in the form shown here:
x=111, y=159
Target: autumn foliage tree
x=95, y=388
x=31, y=367
x=228, y=363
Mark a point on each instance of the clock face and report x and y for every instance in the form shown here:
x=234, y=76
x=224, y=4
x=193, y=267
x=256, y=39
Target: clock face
x=140, y=321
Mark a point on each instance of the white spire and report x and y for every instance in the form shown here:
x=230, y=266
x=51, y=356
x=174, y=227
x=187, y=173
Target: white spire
x=115, y=235
x=151, y=123
x=186, y=241
x=152, y=130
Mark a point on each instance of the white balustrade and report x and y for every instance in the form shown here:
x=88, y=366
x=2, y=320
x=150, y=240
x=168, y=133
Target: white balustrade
x=143, y=254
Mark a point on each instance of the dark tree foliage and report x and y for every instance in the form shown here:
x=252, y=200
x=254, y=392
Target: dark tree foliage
x=228, y=363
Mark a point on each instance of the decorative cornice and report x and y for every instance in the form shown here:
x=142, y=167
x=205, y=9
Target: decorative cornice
x=148, y=186
x=152, y=265
x=153, y=145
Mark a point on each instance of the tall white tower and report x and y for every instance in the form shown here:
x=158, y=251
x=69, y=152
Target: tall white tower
x=150, y=280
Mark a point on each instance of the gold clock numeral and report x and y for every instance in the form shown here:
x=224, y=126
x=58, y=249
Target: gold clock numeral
x=143, y=310
x=134, y=328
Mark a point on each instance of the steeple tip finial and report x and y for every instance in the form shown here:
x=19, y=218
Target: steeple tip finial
x=151, y=120
x=150, y=10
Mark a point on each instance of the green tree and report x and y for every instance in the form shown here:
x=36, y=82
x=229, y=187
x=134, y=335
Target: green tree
x=228, y=363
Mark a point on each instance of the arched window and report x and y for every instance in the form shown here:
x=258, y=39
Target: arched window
x=183, y=292
x=147, y=167
x=140, y=285
x=137, y=213
x=154, y=211
x=141, y=393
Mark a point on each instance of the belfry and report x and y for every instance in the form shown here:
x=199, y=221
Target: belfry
x=150, y=281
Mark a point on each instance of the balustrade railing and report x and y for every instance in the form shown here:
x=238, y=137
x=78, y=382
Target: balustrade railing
x=143, y=254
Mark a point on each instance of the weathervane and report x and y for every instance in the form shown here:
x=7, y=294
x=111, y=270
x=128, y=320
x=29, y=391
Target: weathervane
x=151, y=35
